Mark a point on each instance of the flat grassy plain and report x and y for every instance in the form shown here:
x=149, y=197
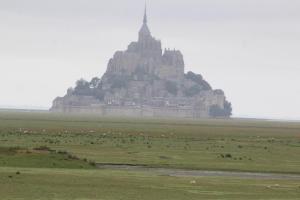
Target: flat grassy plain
x=70, y=184
x=239, y=145
x=76, y=142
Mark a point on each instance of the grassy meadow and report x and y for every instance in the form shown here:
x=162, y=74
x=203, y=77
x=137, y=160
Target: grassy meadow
x=207, y=144
x=70, y=184
x=52, y=156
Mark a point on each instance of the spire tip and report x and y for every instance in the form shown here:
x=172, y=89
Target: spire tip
x=145, y=13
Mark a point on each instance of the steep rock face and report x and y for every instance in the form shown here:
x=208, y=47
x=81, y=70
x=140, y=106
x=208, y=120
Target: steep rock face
x=145, y=81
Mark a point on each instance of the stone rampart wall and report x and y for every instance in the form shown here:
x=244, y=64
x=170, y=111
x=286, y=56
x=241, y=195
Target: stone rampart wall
x=131, y=111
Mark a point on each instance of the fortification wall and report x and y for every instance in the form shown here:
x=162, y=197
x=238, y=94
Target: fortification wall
x=132, y=111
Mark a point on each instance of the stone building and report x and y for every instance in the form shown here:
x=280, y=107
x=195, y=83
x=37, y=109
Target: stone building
x=144, y=80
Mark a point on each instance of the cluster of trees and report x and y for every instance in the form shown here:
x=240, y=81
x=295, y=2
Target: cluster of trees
x=85, y=88
x=216, y=111
x=197, y=78
x=201, y=84
x=94, y=87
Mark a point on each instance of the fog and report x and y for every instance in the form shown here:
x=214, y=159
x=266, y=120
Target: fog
x=250, y=49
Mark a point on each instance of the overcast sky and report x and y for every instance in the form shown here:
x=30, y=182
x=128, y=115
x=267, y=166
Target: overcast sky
x=250, y=49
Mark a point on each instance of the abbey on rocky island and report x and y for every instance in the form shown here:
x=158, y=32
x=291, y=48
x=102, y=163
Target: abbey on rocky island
x=145, y=81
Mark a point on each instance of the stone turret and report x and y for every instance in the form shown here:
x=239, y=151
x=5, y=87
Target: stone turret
x=173, y=65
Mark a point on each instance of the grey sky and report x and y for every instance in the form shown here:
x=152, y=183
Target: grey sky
x=250, y=49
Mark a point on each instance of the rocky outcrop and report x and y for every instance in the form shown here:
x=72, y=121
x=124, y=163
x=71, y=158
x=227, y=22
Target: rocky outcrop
x=146, y=81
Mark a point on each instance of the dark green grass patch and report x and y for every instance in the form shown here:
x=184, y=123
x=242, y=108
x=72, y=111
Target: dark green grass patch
x=40, y=157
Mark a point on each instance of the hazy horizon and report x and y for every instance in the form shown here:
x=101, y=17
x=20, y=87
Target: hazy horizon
x=248, y=49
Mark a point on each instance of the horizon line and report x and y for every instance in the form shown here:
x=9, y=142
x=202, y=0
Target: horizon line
x=44, y=108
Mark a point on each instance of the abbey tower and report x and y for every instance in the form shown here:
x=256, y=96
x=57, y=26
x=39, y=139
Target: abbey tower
x=146, y=54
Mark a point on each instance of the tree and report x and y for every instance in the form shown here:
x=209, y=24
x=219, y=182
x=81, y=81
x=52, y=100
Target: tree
x=228, y=108
x=95, y=82
x=216, y=111
x=197, y=78
x=83, y=88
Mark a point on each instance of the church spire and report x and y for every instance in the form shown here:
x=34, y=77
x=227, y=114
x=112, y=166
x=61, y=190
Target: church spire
x=145, y=14
x=144, y=31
